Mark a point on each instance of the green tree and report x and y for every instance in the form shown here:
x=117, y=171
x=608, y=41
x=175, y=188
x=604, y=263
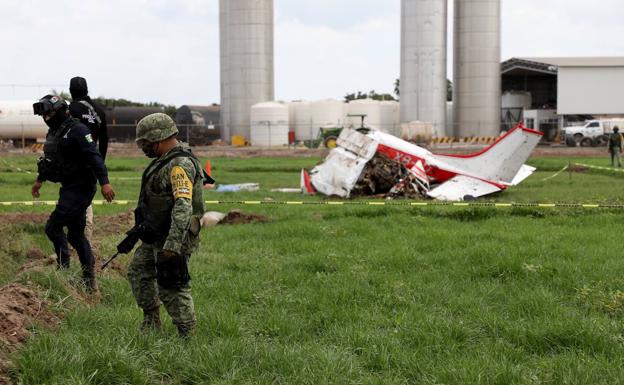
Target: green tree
x=370, y=95
x=111, y=103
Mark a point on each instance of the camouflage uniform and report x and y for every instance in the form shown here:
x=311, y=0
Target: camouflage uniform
x=172, y=184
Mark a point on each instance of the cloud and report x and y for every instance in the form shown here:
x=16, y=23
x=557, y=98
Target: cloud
x=168, y=51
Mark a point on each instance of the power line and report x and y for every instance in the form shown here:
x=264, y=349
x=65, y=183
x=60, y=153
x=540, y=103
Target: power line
x=32, y=85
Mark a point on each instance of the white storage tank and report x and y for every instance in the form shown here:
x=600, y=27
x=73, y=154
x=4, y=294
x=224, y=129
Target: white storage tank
x=269, y=124
x=18, y=121
x=517, y=99
x=370, y=108
x=327, y=113
x=304, y=128
x=390, y=117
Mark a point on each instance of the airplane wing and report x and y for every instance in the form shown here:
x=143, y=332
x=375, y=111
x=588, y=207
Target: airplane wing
x=461, y=186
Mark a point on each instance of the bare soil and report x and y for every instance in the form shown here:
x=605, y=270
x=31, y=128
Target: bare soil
x=22, y=218
x=20, y=309
x=237, y=217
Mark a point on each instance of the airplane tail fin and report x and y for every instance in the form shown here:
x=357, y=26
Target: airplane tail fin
x=500, y=162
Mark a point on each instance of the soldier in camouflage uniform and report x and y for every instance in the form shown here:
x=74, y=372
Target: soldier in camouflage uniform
x=168, y=224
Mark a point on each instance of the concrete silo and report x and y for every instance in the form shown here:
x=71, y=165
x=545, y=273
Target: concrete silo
x=423, y=62
x=477, y=77
x=247, y=64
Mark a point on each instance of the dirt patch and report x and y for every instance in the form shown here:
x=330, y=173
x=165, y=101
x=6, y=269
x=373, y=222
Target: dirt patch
x=35, y=253
x=578, y=168
x=7, y=219
x=20, y=308
x=106, y=225
x=237, y=217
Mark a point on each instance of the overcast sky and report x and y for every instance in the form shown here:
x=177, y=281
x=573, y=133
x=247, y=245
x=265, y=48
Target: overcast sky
x=168, y=51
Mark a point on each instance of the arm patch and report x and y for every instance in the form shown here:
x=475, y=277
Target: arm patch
x=181, y=184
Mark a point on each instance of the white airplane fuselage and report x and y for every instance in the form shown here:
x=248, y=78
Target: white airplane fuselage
x=456, y=176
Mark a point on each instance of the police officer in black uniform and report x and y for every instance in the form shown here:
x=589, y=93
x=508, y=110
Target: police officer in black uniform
x=71, y=159
x=89, y=112
x=92, y=115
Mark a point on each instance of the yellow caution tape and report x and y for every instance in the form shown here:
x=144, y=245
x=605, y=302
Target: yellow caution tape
x=599, y=167
x=397, y=203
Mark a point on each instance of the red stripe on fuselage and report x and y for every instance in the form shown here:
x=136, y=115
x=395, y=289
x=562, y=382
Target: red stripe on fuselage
x=483, y=151
x=434, y=173
x=410, y=161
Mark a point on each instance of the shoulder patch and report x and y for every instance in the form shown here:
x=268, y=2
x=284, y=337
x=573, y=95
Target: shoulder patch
x=181, y=184
x=89, y=138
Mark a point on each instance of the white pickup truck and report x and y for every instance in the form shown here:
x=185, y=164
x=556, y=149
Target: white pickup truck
x=592, y=133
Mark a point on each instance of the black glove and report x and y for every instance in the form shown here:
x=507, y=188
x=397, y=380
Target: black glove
x=172, y=270
x=126, y=246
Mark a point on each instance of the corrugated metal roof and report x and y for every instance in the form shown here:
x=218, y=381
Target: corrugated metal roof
x=596, y=61
x=517, y=65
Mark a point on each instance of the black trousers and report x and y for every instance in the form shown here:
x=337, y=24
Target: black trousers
x=70, y=212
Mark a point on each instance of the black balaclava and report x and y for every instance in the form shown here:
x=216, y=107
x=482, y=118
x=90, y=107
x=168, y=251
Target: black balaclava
x=148, y=149
x=55, y=122
x=78, y=87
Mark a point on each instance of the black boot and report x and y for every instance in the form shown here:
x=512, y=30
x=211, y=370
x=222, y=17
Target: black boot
x=151, y=319
x=62, y=260
x=88, y=278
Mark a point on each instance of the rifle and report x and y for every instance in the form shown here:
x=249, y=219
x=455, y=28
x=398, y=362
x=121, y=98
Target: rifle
x=125, y=246
x=110, y=260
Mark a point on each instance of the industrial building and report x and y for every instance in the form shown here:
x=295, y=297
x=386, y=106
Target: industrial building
x=550, y=93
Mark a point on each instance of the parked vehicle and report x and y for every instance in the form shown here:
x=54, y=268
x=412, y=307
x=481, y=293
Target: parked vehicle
x=592, y=133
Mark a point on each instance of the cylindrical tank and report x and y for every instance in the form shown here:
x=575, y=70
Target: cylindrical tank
x=327, y=112
x=477, y=78
x=122, y=121
x=390, y=119
x=423, y=62
x=370, y=108
x=516, y=99
x=18, y=121
x=199, y=125
x=302, y=115
x=224, y=85
x=269, y=124
x=247, y=76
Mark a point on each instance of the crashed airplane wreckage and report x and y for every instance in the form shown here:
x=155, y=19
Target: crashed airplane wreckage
x=372, y=163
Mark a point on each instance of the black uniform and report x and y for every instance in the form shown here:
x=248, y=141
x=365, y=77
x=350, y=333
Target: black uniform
x=77, y=165
x=89, y=112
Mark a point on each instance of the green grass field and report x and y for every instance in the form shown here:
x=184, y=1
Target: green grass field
x=352, y=295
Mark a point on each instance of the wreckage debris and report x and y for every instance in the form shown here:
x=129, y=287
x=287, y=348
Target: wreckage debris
x=383, y=177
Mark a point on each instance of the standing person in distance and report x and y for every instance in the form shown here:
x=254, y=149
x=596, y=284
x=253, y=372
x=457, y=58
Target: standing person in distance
x=92, y=115
x=71, y=159
x=615, y=146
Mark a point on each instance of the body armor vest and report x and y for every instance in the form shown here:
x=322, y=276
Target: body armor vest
x=153, y=212
x=52, y=165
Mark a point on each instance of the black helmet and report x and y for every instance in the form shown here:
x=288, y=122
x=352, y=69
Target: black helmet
x=48, y=104
x=78, y=87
